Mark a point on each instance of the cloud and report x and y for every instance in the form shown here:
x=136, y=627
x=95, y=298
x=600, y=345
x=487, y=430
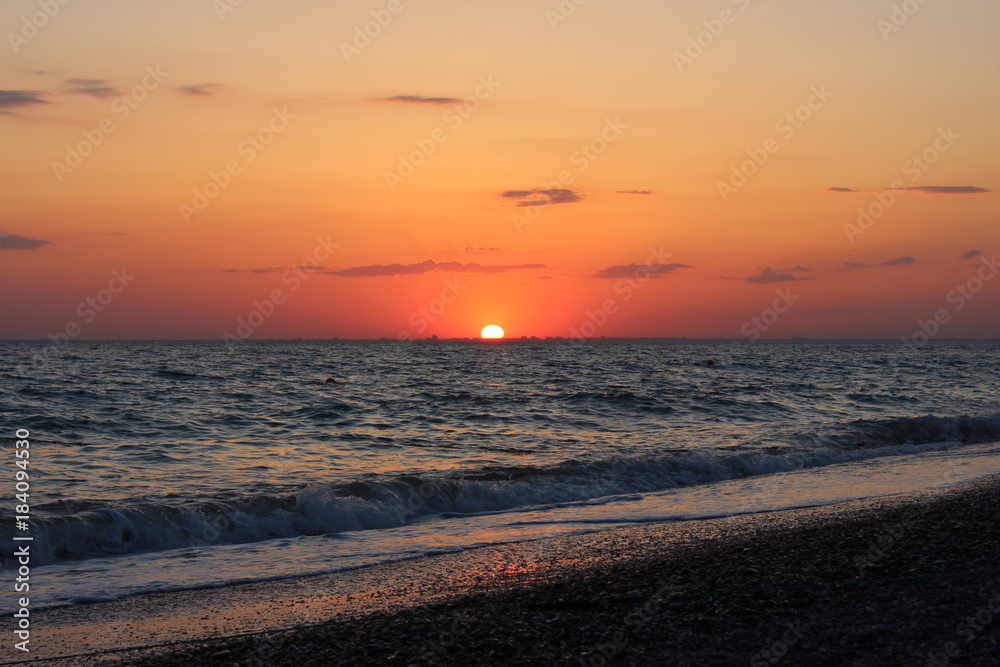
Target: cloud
x=930, y=189
x=199, y=88
x=20, y=98
x=92, y=87
x=377, y=270
x=853, y=266
x=768, y=276
x=798, y=268
x=420, y=99
x=490, y=249
x=971, y=254
x=899, y=261
x=15, y=242
x=948, y=189
x=634, y=270
x=636, y=192
x=543, y=197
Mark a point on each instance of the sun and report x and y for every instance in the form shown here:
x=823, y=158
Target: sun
x=491, y=331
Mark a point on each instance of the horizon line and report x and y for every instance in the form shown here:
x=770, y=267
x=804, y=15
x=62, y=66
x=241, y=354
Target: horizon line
x=517, y=339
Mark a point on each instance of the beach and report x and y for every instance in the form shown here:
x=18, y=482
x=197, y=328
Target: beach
x=909, y=579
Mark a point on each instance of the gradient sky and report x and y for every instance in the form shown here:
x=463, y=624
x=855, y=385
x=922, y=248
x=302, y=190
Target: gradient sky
x=321, y=230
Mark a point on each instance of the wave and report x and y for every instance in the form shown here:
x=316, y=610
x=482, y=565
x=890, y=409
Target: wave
x=903, y=430
x=387, y=503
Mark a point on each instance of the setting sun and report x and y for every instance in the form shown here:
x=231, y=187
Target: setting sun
x=491, y=331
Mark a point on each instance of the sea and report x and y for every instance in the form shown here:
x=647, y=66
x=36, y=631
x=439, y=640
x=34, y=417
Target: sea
x=164, y=466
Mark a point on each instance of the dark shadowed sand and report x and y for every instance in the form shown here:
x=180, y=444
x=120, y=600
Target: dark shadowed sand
x=903, y=580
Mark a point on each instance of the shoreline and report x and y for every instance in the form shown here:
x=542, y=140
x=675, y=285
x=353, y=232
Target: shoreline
x=810, y=586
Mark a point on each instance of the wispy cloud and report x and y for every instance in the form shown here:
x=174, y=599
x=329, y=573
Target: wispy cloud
x=856, y=266
x=972, y=253
x=15, y=242
x=199, y=88
x=543, y=197
x=21, y=98
x=636, y=192
x=92, y=87
x=930, y=189
x=420, y=99
x=632, y=270
x=769, y=275
x=378, y=270
x=471, y=248
x=949, y=189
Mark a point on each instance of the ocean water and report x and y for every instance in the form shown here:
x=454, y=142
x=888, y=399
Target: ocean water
x=175, y=465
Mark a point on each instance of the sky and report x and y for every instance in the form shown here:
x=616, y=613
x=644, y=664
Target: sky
x=255, y=169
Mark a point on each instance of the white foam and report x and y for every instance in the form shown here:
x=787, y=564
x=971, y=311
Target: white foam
x=320, y=509
x=219, y=565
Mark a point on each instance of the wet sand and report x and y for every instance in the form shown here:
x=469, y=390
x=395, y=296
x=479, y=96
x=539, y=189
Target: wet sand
x=909, y=579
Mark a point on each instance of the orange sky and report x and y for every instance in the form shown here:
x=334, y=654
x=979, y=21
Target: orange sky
x=265, y=169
